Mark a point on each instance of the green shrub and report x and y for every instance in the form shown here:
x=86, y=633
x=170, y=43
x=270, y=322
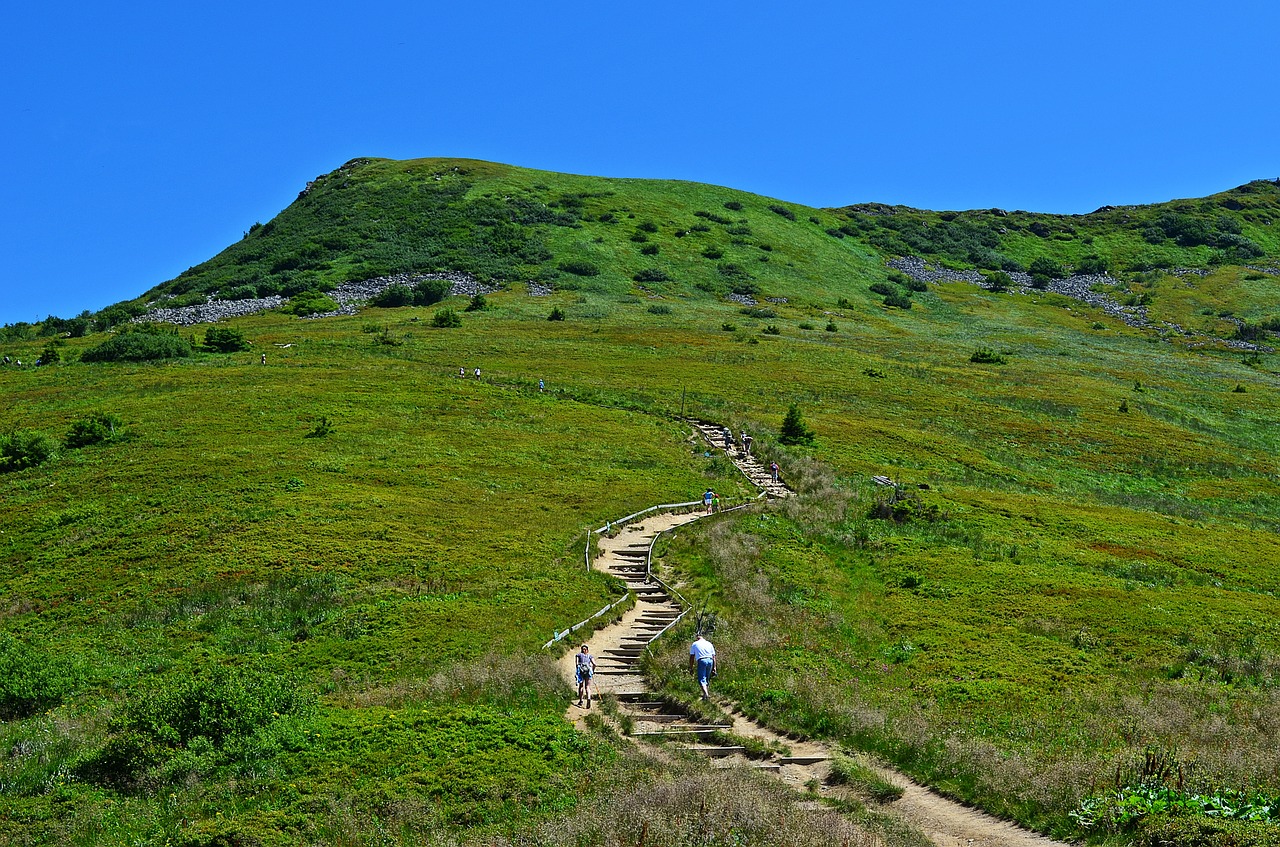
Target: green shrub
x=913, y=284
x=138, y=346
x=998, y=281
x=431, y=291
x=882, y=288
x=651, y=275
x=322, y=428
x=987, y=356
x=733, y=206
x=237, y=292
x=31, y=680
x=579, y=267
x=728, y=327
x=782, y=210
x=831, y=326
x=757, y=312
x=713, y=253
x=476, y=304
x=1040, y=282
x=221, y=339
x=557, y=314
x=649, y=250
x=659, y=309
x=94, y=429
x=446, y=319
x=310, y=302
x=49, y=355
x=806, y=325
x=1093, y=265
x=794, y=430
x=771, y=329
x=898, y=301
x=223, y=717
x=1046, y=266
x=25, y=448
x=647, y=226
x=393, y=297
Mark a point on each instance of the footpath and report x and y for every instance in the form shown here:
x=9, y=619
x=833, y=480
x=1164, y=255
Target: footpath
x=619, y=646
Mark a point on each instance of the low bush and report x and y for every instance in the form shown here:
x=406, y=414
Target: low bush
x=651, y=275
x=310, y=302
x=579, y=267
x=557, y=314
x=647, y=226
x=806, y=325
x=223, y=339
x=987, y=356
x=1040, y=282
x=771, y=329
x=446, y=319
x=649, y=250
x=95, y=429
x=1093, y=265
x=31, y=680
x=831, y=326
x=756, y=312
x=138, y=346
x=998, y=281
x=713, y=253
x=476, y=304
x=230, y=718
x=733, y=206
x=49, y=355
x=25, y=448
x=393, y=297
x=913, y=284
x=659, y=309
x=728, y=327
x=782, y=210
x=794, y=431
x=1048, y=267
x=882, y=288
x=898, y=301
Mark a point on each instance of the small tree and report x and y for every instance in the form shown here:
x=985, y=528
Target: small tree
x=477, y=304
x=446, y=319
x=222, y=339
x=557, y=314
x=998, y=281
x=794, y=431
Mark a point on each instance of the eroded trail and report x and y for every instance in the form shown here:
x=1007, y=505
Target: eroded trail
x=800, y=764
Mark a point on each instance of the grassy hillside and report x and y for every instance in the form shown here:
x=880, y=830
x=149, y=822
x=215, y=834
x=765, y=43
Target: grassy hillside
x=359, y=553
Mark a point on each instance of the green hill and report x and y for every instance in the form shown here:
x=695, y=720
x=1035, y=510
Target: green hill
x=304, y=602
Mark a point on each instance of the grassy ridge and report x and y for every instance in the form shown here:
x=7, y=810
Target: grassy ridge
x=1094, y=579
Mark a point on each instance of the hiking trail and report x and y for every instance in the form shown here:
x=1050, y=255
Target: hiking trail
x=617, y=648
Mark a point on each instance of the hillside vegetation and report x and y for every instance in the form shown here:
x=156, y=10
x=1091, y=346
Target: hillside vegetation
x=303, y=602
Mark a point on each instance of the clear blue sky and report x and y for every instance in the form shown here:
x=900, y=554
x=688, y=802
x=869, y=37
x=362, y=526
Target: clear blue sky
x=142, y=138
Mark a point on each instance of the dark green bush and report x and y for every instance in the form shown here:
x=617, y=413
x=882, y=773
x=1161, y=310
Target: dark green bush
x=639, y=237
x=794, y=430
x=913, y=284
x=94, y=429
x=699, y=228
x=782, y=210
x=733, y=206
x=757, y=312
x=31, y=680
x=647, y=226
x=1094, y=264
x=713, y=253
x=237, y=292
x=733, y=271
x=557, y=314
x=221, y=339
x=1046, y=266
x=446, y=319
x=138, y=346
x=393, y=297
x=898, y=301
x=998, y=281
x=221, y=718
x=1040, y=281
x=649, y=250
x=987, y=356
x=579, y=267
x=771, y=329
x=25, y=448
x=831, y=326
x=476, y=304
x=651, y=275
x=431, y=291
x=310, y=302
x=659, y=309
x=49, y=355
x=884, y=289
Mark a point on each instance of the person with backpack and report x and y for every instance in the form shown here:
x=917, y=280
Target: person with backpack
x=773, y=466
x=584, y=670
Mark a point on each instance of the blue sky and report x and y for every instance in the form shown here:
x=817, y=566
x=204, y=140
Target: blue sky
x=143, y=138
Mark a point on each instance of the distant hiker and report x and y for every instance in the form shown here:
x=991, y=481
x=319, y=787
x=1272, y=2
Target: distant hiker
x=584, y=670
x=264, y=358
x=462, y=373
x=707, y=497
x=744, y=440
x=728, y=439
x=715, y=502
x=477, y=373
x=773, y=466
x=746, y=444
x=541, y=386
x=702, y=661
x=6, y=360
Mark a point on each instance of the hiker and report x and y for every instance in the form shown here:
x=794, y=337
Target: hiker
x=707, y=497
x=541, y=386
x=728, y=439
x=462, y=373
x=715, y=502
x=585, y=669
x=264, y=358
x=477, y=373
x=746, y=444
x=773, y=466
x=744, y=440
x=702, y=661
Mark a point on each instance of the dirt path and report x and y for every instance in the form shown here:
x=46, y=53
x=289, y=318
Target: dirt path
x=805, y=765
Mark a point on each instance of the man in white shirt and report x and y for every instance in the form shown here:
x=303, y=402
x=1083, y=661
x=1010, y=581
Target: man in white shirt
x=702, y=660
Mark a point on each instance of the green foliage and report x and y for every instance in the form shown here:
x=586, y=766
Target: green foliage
x=659, y=309
x=733, y=206
x=1044, y=266
x=557, y=314
x=771, y=329
x=998, y=281
x=649, y=250
x=1040, y=282
x=95, y=429
x=579, y=267
x=651, y=275
x=49, y=355
x=310, y=302
x=883, y=288
x=477, y=303
x=831, y=326
x=31, y=679
x=25, y=448
x=898, y=300
x=224, y=339
x=846, y=770
x=238, y=717
x=446, y=319
x=1093, y=264
x=783, y=211
x=794, y=430
x=141, y=345
x=987, y=356
x=322, y=429
x=428, y=292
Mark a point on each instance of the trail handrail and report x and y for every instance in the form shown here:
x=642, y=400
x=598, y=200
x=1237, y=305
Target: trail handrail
x=580, y=624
